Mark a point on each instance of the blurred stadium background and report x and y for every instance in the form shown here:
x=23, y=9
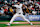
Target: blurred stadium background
x=7, y=11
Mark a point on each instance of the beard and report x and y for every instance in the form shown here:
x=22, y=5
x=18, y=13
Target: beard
x=18, y=4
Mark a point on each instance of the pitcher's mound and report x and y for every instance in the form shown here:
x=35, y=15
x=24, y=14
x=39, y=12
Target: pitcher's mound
x=25, y=26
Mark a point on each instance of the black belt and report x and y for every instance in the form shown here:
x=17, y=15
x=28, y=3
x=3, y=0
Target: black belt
x=19, y=13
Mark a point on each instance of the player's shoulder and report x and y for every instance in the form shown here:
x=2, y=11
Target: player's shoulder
x=21, y=4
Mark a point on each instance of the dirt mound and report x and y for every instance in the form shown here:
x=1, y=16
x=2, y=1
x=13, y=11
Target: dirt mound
x=20, y=23
x=25, y=26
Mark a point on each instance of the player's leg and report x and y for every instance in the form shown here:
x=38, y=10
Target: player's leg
x=26, y=19
x=14, y=17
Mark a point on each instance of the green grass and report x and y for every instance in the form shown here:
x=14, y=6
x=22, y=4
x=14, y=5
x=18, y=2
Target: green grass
x=19, y=21
x=22, y=24
x=2, y=25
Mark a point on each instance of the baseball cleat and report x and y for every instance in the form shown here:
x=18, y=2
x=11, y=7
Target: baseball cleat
x=31, y=23
x=8, y=24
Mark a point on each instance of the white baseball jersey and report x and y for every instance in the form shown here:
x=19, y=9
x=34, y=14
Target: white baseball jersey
x=19, y=8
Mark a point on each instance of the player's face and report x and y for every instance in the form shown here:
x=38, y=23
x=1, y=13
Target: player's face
x=18, y=3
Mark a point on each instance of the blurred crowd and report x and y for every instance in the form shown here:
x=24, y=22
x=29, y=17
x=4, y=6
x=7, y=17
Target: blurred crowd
x=7, y=9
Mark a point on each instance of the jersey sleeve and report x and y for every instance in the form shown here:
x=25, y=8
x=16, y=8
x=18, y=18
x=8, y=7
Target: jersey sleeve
x=15, y=5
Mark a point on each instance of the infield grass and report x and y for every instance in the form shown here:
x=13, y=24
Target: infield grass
x=19, y=21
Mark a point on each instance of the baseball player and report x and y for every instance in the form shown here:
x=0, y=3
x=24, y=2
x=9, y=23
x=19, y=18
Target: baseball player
x=19, y=13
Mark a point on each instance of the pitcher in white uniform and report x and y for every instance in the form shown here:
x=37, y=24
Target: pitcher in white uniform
x=19, y=13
